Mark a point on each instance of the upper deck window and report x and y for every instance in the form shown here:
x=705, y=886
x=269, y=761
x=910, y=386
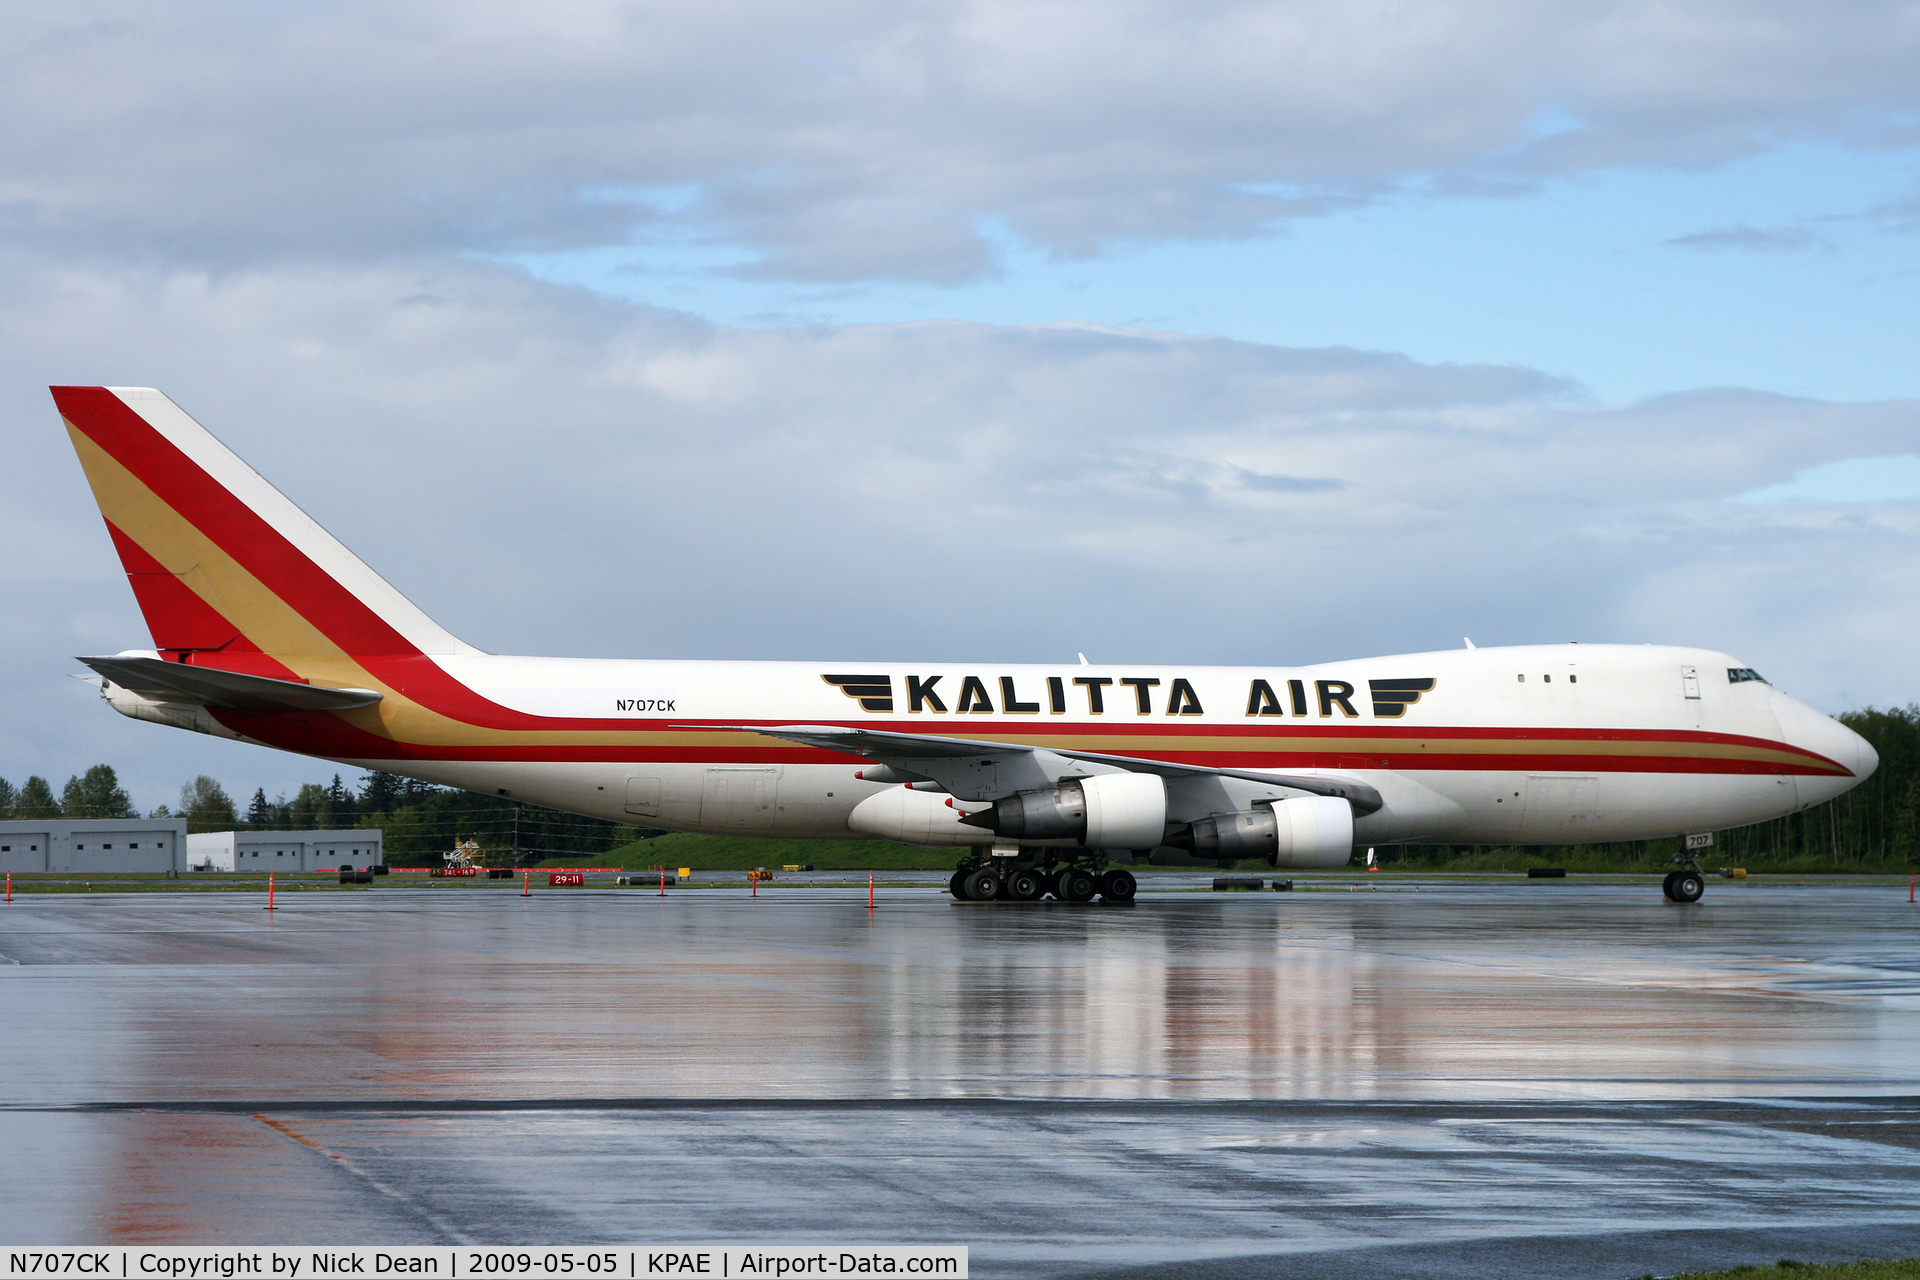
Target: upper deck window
x=1740, y=675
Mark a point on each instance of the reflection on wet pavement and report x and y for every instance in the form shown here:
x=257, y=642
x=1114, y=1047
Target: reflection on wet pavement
x=1327, y=1075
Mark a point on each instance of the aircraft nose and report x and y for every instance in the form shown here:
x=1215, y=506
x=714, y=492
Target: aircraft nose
x=1807, y=728
x=1867, y=759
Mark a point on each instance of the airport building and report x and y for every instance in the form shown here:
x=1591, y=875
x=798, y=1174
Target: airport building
x=93, y=844
x=282, y=850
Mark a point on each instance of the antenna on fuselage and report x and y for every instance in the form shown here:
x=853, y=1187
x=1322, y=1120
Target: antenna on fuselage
x=1470, y=643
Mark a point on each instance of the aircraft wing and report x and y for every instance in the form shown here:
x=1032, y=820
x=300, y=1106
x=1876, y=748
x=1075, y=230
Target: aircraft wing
x=926, y=755
x=210, y=687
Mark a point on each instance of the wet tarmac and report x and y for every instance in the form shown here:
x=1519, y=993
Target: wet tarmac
x=1506, y=1079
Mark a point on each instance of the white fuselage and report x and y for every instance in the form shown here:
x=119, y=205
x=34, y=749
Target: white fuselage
x=1535, y=745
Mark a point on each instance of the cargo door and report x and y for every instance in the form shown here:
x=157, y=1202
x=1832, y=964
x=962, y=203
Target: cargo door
x=1561, y=807
x=739, y=798
x=643, y=797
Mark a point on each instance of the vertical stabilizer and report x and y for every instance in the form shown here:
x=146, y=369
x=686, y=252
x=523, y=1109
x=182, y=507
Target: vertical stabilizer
x=221, y=562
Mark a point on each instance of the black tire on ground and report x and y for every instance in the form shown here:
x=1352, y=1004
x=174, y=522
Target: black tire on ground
x=1025, y=886
x=957, y=886
x=1666, y=886
x=1688, y=886
x=983, y=884
x=1074, y=884
x=1049, y=883
x=1118, y=885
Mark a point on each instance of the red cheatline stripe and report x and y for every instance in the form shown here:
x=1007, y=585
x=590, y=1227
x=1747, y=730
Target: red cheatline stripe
x=330, y=736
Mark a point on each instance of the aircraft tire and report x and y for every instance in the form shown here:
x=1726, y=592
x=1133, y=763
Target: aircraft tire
x=983, y=884
x=1073, y=884
x=1688, y=886
x=1025, y=886
x=1666, y=886
x=1118, y=885
x=957, y=886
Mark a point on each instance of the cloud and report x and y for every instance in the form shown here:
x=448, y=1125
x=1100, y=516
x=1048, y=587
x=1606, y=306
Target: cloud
x=1752, y=239
x=849, y=140
x=549, y=472
x=1849, y=480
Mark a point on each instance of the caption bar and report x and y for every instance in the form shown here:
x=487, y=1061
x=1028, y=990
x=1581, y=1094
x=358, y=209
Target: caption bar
x=446, y=1262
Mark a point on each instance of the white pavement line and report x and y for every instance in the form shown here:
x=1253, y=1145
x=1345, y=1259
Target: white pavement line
x=440, y=1224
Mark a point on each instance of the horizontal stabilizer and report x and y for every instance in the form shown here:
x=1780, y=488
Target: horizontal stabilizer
x=211, y=687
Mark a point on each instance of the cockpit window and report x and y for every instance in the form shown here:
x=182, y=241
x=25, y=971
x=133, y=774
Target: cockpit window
x=1740, y=675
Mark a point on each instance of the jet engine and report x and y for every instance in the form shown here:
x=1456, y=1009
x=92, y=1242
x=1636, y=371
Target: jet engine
x=1105, y=811
x=1310, y=831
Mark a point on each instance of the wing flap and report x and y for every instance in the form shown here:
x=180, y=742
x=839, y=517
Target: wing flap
x=923, y=753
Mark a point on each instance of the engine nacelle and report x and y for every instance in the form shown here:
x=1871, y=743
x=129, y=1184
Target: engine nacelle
x=1105, y=811
x=913, y=817
x=1310, y=831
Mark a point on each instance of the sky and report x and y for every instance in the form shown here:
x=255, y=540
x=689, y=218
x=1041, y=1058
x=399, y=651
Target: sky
x=1197, y=332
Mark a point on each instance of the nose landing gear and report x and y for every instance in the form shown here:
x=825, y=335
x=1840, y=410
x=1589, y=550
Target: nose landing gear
x=1686, y=884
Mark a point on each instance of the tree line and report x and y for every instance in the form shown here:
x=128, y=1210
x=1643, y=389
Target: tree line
x=415, y=817
x=1874, y=827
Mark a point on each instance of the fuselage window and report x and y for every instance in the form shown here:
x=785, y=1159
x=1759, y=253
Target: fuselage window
x=1573, y=679
x=1548, y=679
x=1522, y=679
x=1740, y=675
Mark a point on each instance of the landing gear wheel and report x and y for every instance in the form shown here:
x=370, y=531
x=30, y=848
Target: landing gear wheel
x=1075, y=885
x=1666, y=886
x=957, y=886
x=1687, y=886
x=1118, y=885
x=1025, y=886
x=982, y=884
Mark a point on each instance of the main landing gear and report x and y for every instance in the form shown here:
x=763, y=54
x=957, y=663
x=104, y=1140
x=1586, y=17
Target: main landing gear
x=1029, y=877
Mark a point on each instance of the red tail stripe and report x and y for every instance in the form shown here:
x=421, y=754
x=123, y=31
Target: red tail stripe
x=279, y=565
x=207, y=505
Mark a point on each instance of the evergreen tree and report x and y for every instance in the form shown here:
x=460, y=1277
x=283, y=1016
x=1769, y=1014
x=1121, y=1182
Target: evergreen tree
x=414, y=791
x=259, y=813
x=380, y=792
x=310, y=809
x=207, y=806
x=96, y=794
x=340, y=804
x=36, y=800
x=7, y=797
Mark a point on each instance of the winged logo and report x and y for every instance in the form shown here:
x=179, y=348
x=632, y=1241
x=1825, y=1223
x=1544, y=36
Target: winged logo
x=875, y=693
x=1391, y=698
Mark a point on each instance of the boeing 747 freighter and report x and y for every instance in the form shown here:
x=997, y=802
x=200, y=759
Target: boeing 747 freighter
x=1044, y=779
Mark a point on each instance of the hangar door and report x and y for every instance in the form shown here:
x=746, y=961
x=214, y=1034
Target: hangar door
x=24, y=850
